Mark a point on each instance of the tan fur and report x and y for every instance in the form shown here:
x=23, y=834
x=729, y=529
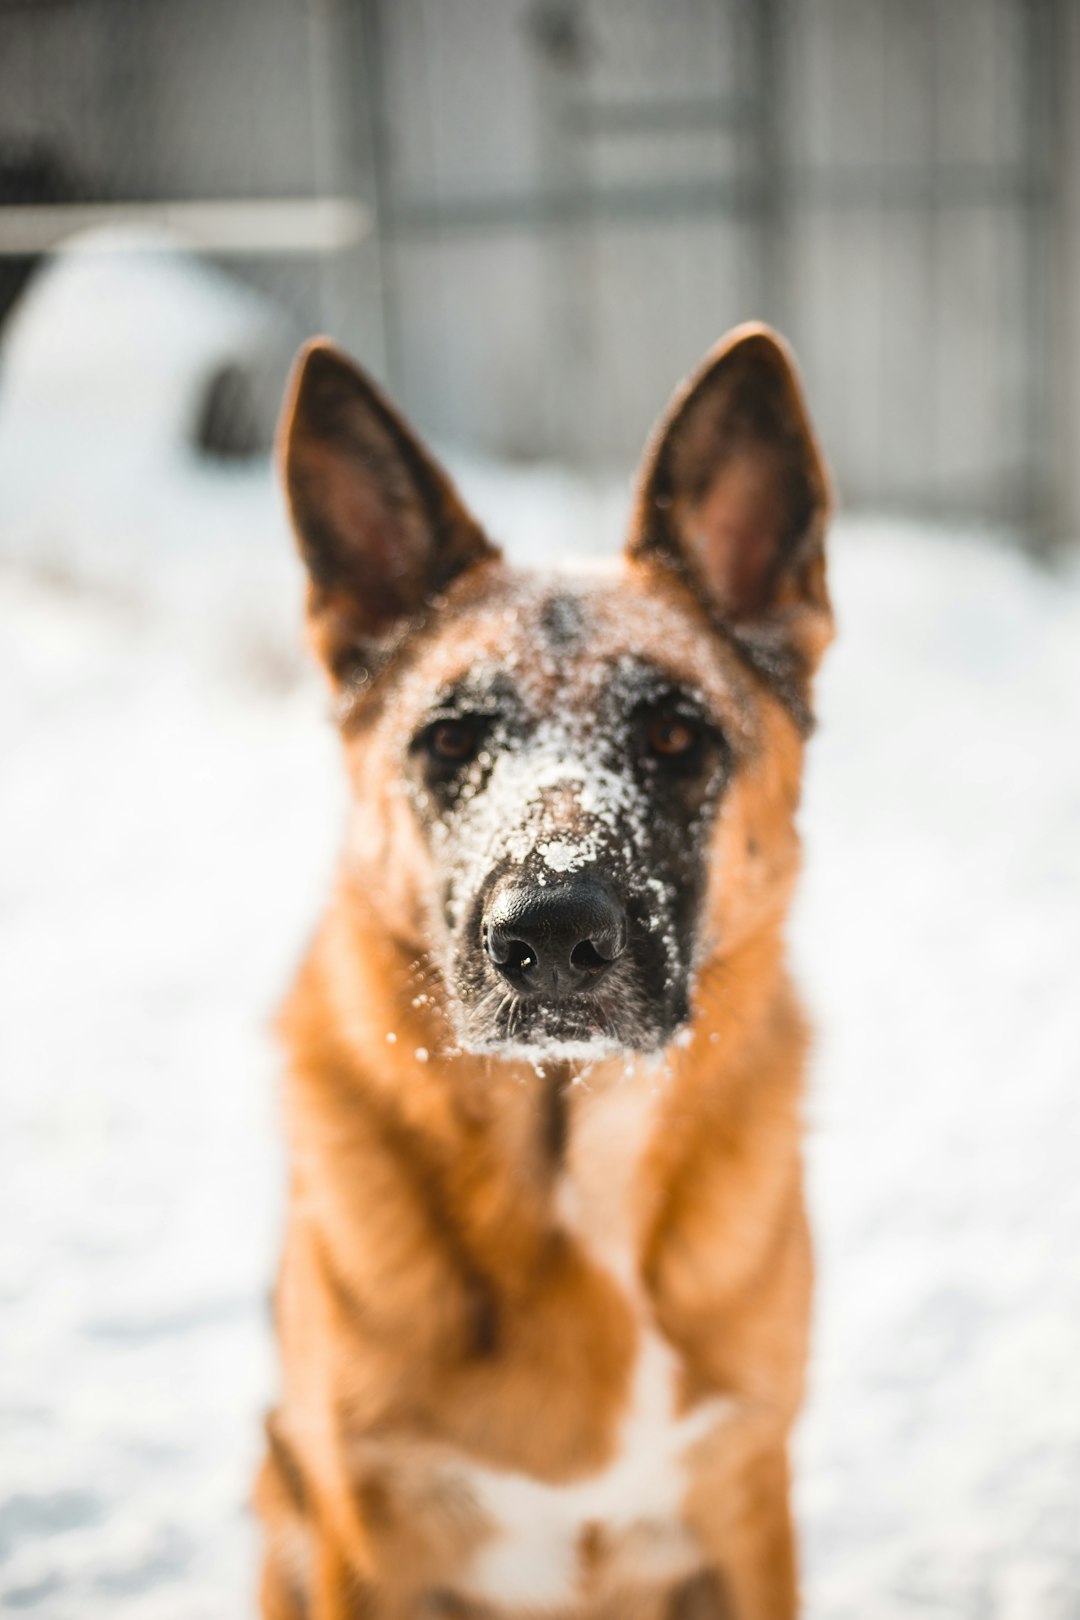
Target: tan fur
x=433, y=1304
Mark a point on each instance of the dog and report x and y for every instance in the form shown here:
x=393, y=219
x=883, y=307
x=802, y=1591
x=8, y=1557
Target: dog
x=544, y=1300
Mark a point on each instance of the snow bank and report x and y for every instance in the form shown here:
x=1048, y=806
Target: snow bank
x=115, y=341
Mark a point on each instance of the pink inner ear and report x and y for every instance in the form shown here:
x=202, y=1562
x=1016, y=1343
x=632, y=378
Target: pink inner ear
x=375, y=537
x=735, y=532
x=378, y=545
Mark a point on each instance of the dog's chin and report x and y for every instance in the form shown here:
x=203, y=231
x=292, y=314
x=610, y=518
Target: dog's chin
x=581, y=1031
x=551, y=1049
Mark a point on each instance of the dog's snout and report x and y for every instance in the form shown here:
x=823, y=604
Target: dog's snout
x=557, y=940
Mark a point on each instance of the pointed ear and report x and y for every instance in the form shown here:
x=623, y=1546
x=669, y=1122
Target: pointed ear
x=734, y=496
x=381, y=527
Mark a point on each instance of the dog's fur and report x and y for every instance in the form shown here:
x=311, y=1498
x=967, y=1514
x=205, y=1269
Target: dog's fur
x=544, y=1299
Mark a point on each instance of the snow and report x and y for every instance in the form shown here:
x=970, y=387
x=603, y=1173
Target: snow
x=938, y=939
x=170, y=803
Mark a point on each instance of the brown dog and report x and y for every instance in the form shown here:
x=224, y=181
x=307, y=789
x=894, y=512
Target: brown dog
x=544, y=1299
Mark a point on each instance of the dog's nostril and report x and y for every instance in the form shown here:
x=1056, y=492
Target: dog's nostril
x=586, y=957
x=520, y=956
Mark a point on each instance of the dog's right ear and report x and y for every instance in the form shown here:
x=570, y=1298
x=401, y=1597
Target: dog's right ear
x=380, y=525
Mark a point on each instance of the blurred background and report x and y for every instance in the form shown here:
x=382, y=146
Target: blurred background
x=529, y=218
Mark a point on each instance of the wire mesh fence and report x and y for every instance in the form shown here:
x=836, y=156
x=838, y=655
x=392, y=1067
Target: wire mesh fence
x=531, y=215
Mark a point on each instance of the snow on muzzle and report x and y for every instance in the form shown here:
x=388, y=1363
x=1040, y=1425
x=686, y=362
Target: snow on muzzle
x=562, y=926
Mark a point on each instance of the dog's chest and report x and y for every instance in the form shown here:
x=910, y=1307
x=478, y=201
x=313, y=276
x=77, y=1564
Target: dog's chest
x=538, y=1551
x=598, y=1195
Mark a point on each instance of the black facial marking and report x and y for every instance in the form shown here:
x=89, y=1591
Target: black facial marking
x=684, y=770
x=781, y=667
x=467, y=724
x=562, y=621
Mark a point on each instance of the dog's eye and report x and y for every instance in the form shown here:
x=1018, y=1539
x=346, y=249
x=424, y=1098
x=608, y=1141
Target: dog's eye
x=452, y=742
x=672, y=736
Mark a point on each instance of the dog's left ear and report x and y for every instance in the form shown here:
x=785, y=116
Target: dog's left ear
x=380, y=525
x=734, y=496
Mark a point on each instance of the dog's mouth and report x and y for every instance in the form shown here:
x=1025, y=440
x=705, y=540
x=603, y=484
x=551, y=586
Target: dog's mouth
x=582, y=1026
x=586, y=1027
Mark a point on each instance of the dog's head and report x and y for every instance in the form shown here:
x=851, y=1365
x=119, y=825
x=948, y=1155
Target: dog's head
x=569, y=790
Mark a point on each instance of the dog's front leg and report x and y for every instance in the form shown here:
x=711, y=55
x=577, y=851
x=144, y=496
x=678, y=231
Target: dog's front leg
x=305, y=1575
x=335, y=1595
x=338, y=1593
x=754, y=1543
x=283, y=1503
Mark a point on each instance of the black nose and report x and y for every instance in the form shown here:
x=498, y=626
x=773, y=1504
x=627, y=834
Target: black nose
x=556, y=940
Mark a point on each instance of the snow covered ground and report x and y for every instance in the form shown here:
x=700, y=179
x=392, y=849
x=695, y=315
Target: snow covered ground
x=169, y=807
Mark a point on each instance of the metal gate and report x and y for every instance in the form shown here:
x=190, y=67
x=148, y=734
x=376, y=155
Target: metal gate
x=578, y=196
x=534, y=215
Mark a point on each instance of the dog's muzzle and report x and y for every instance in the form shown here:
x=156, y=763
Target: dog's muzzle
x=554, y=941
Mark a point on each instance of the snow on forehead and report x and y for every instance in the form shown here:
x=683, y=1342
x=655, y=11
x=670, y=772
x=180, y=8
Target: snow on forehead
x=557, y=636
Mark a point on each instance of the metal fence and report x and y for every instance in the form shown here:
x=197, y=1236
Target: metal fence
x=587, y=194
x=532, y=215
